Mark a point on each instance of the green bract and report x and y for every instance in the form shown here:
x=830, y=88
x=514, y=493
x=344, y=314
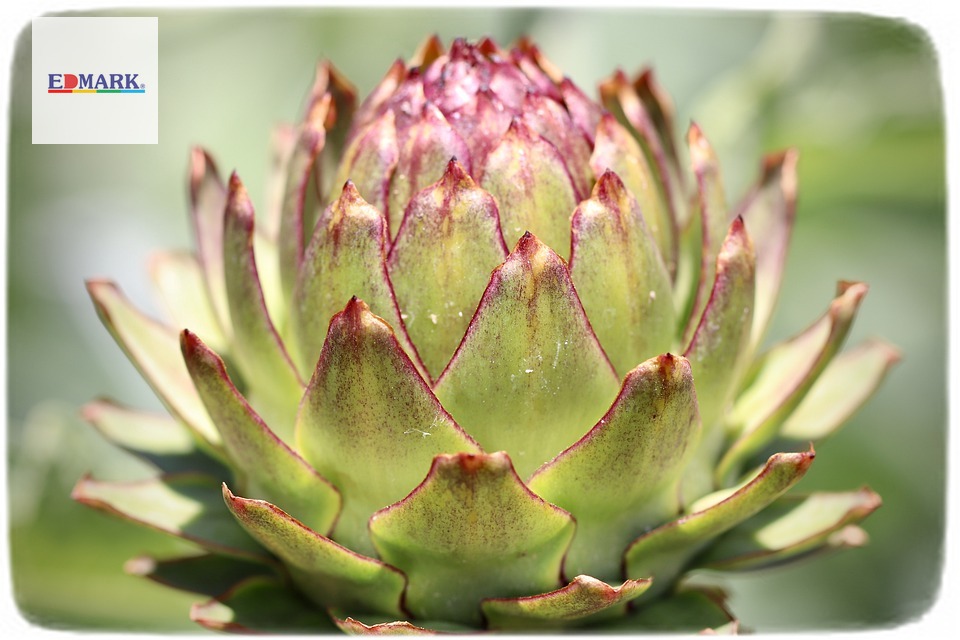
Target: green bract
x=489, y=361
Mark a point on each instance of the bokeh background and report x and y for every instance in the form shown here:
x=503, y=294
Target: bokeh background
x=859, y=96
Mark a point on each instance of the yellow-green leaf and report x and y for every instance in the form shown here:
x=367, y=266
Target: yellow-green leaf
x=470, y=531
x=368, y=421
x=529, y=377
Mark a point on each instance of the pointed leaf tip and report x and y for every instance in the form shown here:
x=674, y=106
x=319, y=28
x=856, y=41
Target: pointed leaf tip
x=528, y=245
x=429, y=50
x=346, y=257
x=849, y=291
x=456, y=174
x=202, y=169
x=188, y=342
x=701, y=153
x=271, y=469
x=326, y=572
x=369, y=422
x=716, y=349
x=355, y=312
x=616, y=148
x=529, y=359
x=448, y=243
x=529, y=177
x=664, y=552
x=785, y=163
x=430, y=143
x=235, y=188
x=471, y=516
x=620, y=275
x=240, y=208
x=350, y=195
x=579, y=602
x=621, y=477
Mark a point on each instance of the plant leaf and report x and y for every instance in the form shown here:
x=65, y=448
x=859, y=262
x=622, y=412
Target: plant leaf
x=664, y=552
x=659, y=107
x=369, y=423
x=768, y=212
x=153, y=350
x=584, y=112
x=370, y=161
x=782, y=377
x=714, y=219
x=843, y=387
x=270, y=469
x=687, y=611
x=186, y=506
x=257, y=347
x=578, y=602
x=447, y=244
x=622, y=98
x=155, y=438
x=552, y=123
x=483, y=130
x=620, y=277
x=716, y=351
x=617, y=151
x=327, y=573
x=470, y=531
x=425, y=151
x=621, y=477
x=429, y=49
x=261, y=605
x=301, y=194
x=208, y=197
x=372, y=106
x=529, y=376
x=346, y=258
x=207, y=574
x=338, y=118
x=179, y=279
x=791, y=528
x=268, y=270
x=529, y=179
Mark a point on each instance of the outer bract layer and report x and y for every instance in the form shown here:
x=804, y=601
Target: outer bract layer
x=489, y=360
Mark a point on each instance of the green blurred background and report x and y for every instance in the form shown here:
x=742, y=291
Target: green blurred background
x=859, y=96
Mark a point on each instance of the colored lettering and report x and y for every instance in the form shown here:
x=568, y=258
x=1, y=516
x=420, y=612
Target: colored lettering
x=91, y=83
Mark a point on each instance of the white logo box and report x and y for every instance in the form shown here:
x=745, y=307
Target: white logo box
x=95, y=80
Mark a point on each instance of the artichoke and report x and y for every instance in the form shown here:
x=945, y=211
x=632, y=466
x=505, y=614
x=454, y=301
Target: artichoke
x=490, y=360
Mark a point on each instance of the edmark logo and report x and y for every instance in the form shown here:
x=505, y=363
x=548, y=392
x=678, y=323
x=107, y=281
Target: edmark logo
x=94, y=83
